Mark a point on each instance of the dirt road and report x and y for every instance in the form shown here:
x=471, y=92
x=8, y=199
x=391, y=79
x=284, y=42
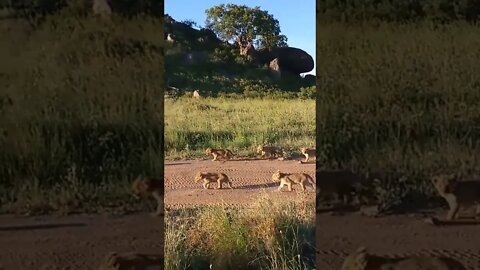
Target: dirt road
x=338, y=236
x=250, y=178
x=80, y=242
x=74, y=242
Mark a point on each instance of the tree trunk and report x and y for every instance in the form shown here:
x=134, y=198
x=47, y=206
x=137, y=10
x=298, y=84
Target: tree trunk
x=246, y=46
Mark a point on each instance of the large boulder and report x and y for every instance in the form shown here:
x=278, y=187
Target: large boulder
x=185, y=34
x=290, y=59
x=293, y=60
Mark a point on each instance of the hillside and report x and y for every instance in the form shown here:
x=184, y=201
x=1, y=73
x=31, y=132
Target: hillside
x=197, y=59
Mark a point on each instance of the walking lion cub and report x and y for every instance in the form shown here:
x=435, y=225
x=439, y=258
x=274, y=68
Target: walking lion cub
x=458, y=194
x=208, y=178
x=272, y=151
x=338, y=183
x=289, y=179
x=225, y=154
x=131, y=260
x=144, y=187
x=308, y=153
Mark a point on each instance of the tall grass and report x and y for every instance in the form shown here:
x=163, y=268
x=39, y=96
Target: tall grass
x=399, y=99
x=240, y=124
x=271, y=235
x=80, y=107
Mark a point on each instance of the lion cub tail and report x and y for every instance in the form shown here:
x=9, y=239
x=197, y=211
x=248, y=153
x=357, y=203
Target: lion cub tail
x=310, y=180
x=229, y=152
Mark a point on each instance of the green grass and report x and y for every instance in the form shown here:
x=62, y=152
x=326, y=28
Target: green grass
x=271, y=235
x=401, y=100
x=80, y=111
x=240, y=124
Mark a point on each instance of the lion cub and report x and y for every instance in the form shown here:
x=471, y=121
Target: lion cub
x=458, y=194
x=340, y=183
x=272, y=151
x=222, y=153
x=144, y=187
x=131, y=260
x=361, y=260
x=208, y=178
x=292, y=178
x=308, y=153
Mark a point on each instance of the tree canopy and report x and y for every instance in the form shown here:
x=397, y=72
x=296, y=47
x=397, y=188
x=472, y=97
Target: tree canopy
x=245, y=26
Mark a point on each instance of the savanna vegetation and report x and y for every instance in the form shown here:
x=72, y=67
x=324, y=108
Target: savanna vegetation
x=80, y=108
x=246, y=106
x=400, y=100
x=271, y=235
x=242, y=106
x=238, y=124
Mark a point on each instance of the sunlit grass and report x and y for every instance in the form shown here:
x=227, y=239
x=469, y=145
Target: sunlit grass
x=274, y=234
x=239, y=124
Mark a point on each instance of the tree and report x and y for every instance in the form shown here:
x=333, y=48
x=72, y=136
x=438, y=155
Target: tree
x=245, y=26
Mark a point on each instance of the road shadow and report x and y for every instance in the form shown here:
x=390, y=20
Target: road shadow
x=40, y=226
x=458, y=222
x=258, y=186
x=251, y=159
x=337, y=209
x=175, y=164
x=303, y=162
x=254, y=159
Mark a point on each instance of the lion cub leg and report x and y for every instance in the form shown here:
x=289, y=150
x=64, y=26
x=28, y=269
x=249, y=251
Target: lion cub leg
x=229, y=185
x=219, y=184
x=289, y=185
x=346, y=199
x=307, y=158
x=206, y=184
x=281, y=185
x=477, y=211
x=453, y=206
x=160, y=205
x=214, y=156
x=302, y=186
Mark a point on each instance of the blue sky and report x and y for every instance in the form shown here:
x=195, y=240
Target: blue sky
x=297, y=19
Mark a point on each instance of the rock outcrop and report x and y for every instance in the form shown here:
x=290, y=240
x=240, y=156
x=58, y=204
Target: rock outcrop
x=196, y=42
x=293, y=60
x=289, y=59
